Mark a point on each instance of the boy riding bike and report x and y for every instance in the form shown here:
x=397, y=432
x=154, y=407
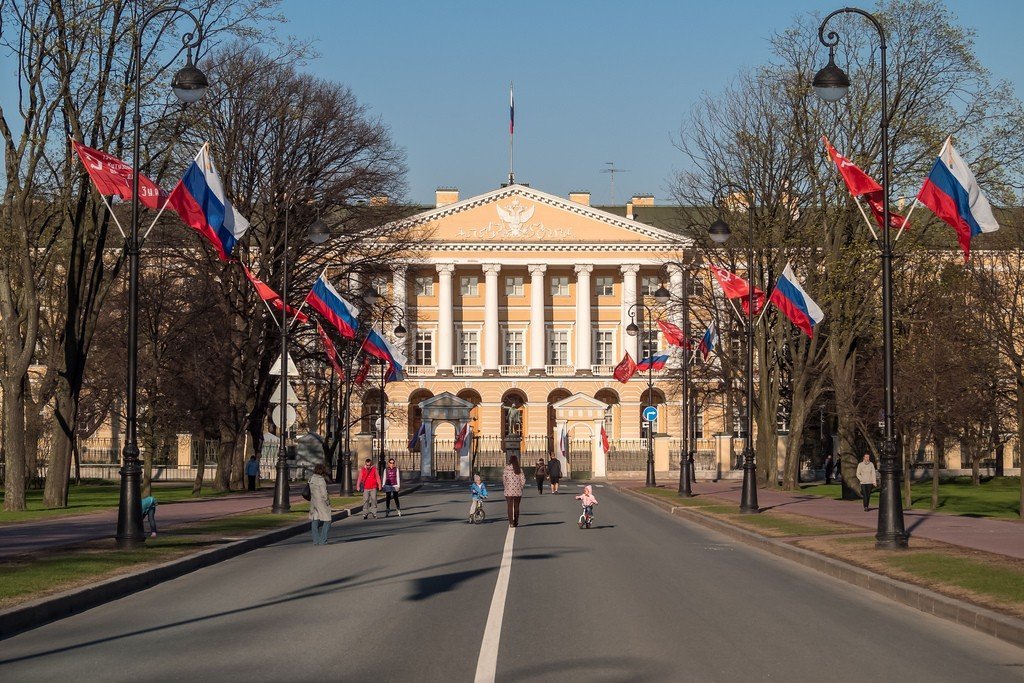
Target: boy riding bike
x=479, y=491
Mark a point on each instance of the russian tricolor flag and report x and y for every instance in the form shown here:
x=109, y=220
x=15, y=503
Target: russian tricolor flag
x=325, y=300
x=952, y=193
x=793, y=301
x=200, y=201
x=709, y=341
x=376, y=345
x=655, y=362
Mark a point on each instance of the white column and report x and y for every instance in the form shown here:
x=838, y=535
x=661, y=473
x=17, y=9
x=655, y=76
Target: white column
x=445, y=325
x=598, y=458
x=676, y=312
x=491, y=332
x=399, y=294
x=628, y=299
x=537, y=319
x=584, y=335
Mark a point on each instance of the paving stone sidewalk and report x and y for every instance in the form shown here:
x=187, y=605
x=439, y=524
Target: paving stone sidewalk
x=27, y=537
x=1003, y=537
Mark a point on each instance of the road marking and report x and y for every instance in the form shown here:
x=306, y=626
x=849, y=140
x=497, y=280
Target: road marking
x=487, y=663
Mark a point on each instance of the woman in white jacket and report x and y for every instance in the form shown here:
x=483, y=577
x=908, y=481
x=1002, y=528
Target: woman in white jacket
x=319, y=505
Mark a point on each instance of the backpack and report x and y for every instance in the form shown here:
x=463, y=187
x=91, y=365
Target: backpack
x=542, y=471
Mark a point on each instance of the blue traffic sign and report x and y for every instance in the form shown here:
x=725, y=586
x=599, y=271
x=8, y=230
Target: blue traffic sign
x=650, y=413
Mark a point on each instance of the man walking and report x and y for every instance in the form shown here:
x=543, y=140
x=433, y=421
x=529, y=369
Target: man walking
x=867, y=476
x=368, y=483
x=829, y=463
x=554, y=472
x=252, y=471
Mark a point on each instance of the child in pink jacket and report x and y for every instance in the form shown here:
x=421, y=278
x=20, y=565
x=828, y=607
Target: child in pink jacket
x=587, y=499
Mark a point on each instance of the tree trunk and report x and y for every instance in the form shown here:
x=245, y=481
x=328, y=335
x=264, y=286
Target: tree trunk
x=65, y=412
x=797, y=424
x=238, y=463
x=14, y=446
x=197, y=485
x=937, y=461
x=1019, y=371
x=225, y=458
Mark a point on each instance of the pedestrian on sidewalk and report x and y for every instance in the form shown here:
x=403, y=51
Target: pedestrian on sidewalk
x=513, y=479
x=149, y=509
x=540, y=474
x=392, y=482
x=319, y=505
x=867, y=475
x=554, y=472
x=829, y=463
x=252, y=471
x=369, y=483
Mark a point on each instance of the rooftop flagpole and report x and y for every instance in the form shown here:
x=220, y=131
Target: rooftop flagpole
x=511, y=133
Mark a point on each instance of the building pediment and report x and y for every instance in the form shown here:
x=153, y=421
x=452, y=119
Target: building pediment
x=580, y=401
x=519, y=214
x=445, y=399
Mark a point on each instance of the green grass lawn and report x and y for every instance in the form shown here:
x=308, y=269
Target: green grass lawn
x=92, y=497
x=32, y=577
x=997, y=497
x=1003, y=583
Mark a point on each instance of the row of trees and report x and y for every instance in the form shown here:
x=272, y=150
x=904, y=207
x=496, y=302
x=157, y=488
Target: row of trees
x=959, y=345
x=289, y=147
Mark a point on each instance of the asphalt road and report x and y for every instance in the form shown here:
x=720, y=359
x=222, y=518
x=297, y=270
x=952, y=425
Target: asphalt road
x=642, y=596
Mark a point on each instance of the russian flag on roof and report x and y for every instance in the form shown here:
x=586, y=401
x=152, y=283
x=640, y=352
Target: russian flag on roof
x=325, y=300
x=655, y=362
x=376, y=345
x=200, y=201
x=952, y=193
x=793, y=301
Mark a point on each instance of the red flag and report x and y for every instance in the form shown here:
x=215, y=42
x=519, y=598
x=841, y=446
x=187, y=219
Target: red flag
x=673, y=335
x=330, y=350
x=736, y=287
x=114, y=177
x=860, y=184
x=604, y=441
x=364, y=371
x=266, y=293
x=463, y=435
x=625, y=369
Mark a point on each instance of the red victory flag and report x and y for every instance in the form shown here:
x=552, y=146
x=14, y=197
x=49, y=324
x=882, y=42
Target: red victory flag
x=267, y=293
x=673, y=335
x=114, y=177
x=330, y=350
x=604, y=441
x=364, y=371
x=860, y=184
x=736, y=287
x=625, y=369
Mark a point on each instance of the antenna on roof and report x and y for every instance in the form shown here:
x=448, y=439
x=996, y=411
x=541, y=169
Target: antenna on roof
x=611, y=170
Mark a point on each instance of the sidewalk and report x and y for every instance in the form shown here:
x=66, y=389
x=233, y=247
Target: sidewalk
x=27, y=537
x=998, y=536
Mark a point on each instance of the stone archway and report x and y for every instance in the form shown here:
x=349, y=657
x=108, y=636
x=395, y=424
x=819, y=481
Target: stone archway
x=585, y=414
x=444, y=408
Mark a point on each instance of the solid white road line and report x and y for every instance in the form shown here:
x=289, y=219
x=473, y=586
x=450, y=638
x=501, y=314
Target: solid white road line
x=487, y=663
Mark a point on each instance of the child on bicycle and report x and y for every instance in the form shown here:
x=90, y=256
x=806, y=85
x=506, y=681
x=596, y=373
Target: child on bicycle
x=479, y=491
x=588, y=500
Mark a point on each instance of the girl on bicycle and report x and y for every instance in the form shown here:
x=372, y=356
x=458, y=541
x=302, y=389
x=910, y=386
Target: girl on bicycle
x=588, y=500
x=479, y=491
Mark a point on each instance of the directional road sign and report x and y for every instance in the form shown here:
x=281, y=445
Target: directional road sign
x=650, y=413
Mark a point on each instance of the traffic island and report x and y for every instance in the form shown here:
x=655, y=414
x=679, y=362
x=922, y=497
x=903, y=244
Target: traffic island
x=983, y=591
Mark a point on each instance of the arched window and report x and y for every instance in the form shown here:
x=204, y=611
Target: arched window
x=513, y=414
x=611, y=399
x=415, y=414
x=654, y=398
x=370, y=413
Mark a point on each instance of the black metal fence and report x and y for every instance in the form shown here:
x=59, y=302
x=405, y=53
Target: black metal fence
x=627, y=455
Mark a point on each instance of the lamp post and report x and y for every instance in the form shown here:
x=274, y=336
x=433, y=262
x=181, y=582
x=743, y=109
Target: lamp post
x=317, y=233
x=719, y=233
x=400, y=332
x=189, y=85
x=832, y=84
x=662, y=296
x=632, y=330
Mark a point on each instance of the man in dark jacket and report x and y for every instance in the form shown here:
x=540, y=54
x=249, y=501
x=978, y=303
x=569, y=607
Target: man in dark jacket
x=554, y=472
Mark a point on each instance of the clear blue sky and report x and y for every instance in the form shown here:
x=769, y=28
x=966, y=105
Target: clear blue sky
x=595, y=80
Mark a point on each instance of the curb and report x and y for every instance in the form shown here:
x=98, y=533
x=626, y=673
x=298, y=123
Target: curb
x=1001, y=626
x=30, y=615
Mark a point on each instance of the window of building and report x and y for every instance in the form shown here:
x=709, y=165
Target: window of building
x=649, y=284
x=423, y=285
x=696, y=286
x=514, y=345
x=739, y=422
x=468, y=285
x=558, y=347
x=423, y=354
x=609, y=422
x=736, y=349
x=380, y=284
x=514, y=285
x=560, y=285
x=782, y=419
x=648, y=343
x=468, y=347
x=604, y=353
x=698, y=423
x=604, y=285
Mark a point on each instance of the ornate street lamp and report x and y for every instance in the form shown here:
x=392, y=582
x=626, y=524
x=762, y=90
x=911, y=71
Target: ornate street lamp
x=189, y=85
x=831, y=84
x=633, y=330
x=400, y=332
x=719, y=233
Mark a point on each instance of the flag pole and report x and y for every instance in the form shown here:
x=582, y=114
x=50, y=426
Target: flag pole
x=303, y=305
x=949, y=139
x=511, y=134
x=866, y=220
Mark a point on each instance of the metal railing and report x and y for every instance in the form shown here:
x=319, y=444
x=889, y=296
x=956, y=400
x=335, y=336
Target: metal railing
x=420, y=370
x=580, y=456
x=467, y=370
x=514, y=370
x=560, y=370
x=602, y=369
x=627, y=455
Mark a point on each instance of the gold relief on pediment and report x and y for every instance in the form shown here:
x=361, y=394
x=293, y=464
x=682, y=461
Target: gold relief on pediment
x=515, y=222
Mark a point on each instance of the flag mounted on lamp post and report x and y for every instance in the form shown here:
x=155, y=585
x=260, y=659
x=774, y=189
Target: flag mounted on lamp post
x=792, y=300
